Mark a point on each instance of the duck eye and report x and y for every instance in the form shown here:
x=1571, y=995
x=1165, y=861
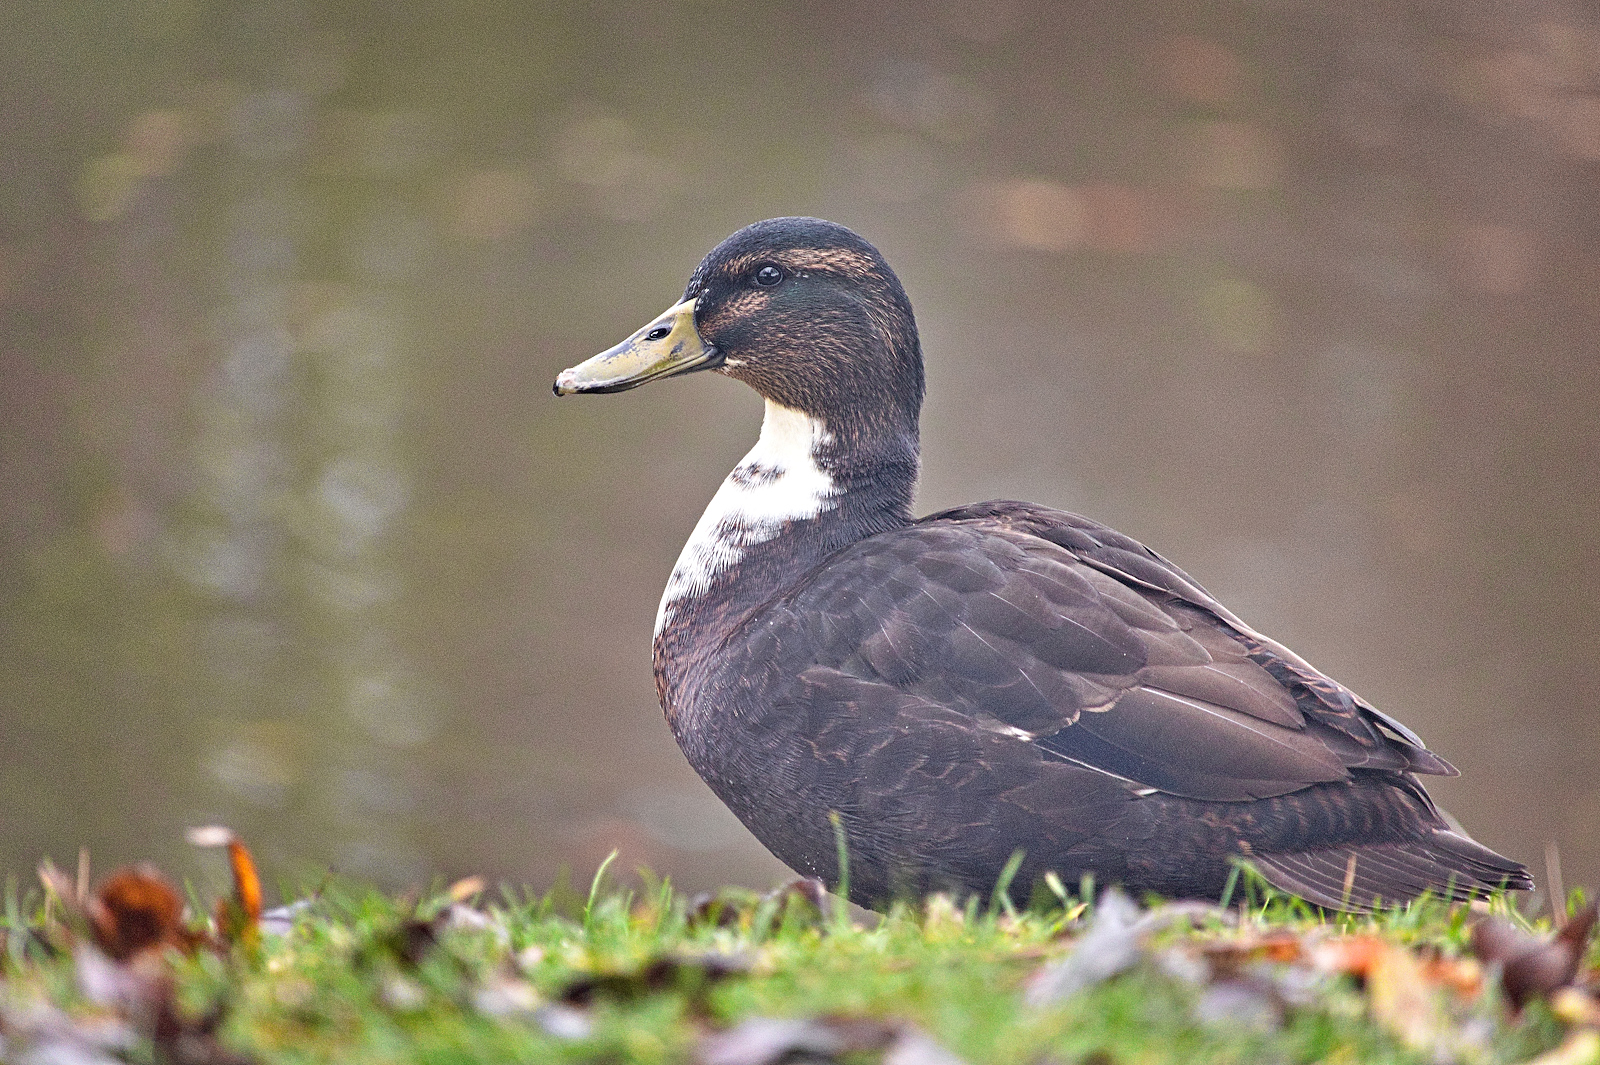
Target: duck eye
x=768, y=276
x=658, y=333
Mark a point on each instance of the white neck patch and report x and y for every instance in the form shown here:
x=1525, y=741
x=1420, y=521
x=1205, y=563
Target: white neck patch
x=777, y=482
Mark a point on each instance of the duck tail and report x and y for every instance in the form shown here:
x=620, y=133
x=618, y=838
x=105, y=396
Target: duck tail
x=1362, y=877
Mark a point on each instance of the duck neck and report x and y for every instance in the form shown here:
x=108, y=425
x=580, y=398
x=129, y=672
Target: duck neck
x=806, y=490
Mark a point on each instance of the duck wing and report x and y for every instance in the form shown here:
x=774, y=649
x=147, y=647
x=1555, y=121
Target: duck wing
x=1061, y=633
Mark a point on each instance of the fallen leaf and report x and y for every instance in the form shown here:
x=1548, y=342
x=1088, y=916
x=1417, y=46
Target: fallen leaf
x=135, y=987
x=43, y=1033
x=1401, y=999
x=415, y=938
x=136, y=909
x=121, y=964
x=564, y=1022
x=1240, y=1005
x=1110, y=946
x=1464, y=976
x=1232, y=955
x=238, y=918
x=459, y=917
x=464, y=889
x=1532, y=968
x=505, y=995
x=1576, y=1007
x=182, y=1040
x=808, y=890
x=720, y=909
x=769, y=1040
x=914, y=1047
x=1353, y=956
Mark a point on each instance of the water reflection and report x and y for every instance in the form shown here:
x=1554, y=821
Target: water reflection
x=304, y=486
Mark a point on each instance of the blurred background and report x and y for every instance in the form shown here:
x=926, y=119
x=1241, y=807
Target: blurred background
x=294, y=537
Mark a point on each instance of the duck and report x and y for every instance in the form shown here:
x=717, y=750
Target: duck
x=904, y=705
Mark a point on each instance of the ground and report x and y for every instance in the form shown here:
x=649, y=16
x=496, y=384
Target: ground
x=462, y=974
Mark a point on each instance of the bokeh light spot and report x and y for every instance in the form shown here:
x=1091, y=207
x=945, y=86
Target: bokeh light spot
x=1498, y=259
x=254, y=769
x=360, y=497
x=1235, y=155
x=1580, y=131
x=1236, y=314
x=626, y=182
x=492, y=204
x=108, y=185
x=916, y=96
x=1042, y=215
x=156, y=141
x=1201, y=70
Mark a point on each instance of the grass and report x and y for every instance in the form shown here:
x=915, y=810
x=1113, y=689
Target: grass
x=649, y=976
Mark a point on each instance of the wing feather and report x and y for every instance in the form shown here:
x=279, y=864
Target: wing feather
x=1039, y=624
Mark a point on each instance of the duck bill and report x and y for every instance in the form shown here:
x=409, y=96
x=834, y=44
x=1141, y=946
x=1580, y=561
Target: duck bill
x=670, y=345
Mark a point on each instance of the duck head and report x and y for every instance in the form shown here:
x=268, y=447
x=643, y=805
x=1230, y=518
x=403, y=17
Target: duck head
x=804, y=311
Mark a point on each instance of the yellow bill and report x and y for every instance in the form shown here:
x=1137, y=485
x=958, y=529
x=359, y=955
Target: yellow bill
x=668, y=346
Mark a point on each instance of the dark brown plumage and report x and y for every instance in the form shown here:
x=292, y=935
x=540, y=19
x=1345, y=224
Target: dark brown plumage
x=995, y=678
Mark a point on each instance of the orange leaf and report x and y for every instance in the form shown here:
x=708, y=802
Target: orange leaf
x=135, y=910
x=239, y=916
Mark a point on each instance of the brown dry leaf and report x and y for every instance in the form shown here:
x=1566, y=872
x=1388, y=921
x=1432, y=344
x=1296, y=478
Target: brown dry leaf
x=1231, y=955
x=1251, y=981
x=121, y=965
x=136, y=909
x=1350, y=955
x=1406, y=991
x=416, y=938
x=1463, y=976
x=140, y=991
x=721, y=909
x=807, y=891
x=1529, y=967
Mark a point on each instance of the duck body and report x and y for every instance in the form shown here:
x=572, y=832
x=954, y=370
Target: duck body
x=993, y=679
